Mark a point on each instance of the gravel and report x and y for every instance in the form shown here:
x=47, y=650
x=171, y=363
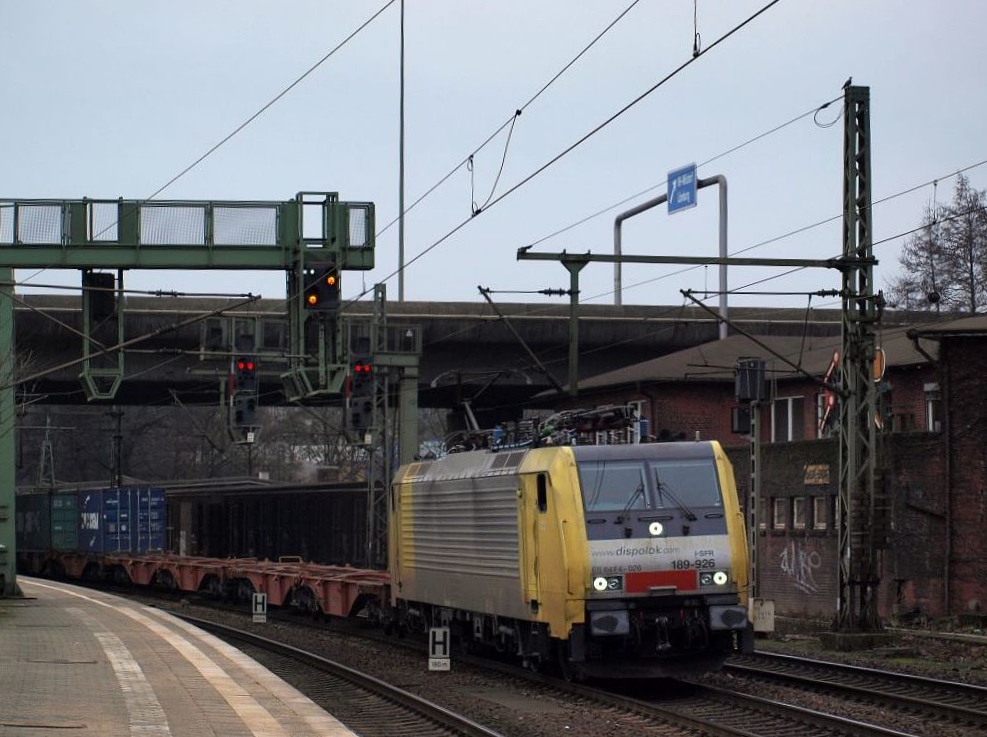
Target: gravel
x=931, y=655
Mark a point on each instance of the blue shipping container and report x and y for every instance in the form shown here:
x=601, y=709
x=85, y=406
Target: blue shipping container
x=128, y=519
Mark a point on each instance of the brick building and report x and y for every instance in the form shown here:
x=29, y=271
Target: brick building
x=952, y=494
x=932, y=457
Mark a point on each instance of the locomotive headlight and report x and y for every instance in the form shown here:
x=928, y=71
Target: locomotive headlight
x=655, y=529
x=608, y=583
x=713, y=578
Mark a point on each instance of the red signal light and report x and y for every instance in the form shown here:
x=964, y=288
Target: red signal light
x=245, y=377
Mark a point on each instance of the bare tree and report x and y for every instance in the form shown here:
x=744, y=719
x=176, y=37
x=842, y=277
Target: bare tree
x=944, y=265
x=964, y=237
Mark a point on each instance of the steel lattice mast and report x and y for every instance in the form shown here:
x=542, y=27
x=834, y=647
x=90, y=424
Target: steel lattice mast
x=858, y=514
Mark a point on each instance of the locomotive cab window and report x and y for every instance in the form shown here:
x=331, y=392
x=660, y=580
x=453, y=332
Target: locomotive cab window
x=692, y=480
x=613, y=486
x=616, y=486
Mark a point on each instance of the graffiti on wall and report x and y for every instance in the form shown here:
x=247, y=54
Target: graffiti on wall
x=800, y=565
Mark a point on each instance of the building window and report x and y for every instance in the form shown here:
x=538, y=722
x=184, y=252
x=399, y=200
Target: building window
x=779, y=514
x=933, y=408
x=787, y=422
x=800, y=512
x=820, y=512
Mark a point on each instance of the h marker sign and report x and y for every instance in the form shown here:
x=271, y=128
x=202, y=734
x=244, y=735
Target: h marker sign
x=259, y=607
x=438, y=648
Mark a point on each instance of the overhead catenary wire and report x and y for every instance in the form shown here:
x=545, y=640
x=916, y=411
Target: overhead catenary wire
x=583, y=139
x=708, y=161
x=467, y=161
x=127, y=343
x=539, y=93
x=689, y=268
x=251, y=119
x=327, y=56
x=511, y=120
x=273, y=100
x=880, y=242
x=477, y=209
x=788, y=272
x=558, y=157
x=803, y=229
x=793, y=232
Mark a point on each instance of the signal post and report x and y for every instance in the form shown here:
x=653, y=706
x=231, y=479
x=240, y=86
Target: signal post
x=313, y=234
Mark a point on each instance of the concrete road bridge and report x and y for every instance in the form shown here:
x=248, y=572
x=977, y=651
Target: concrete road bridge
x=468, y=351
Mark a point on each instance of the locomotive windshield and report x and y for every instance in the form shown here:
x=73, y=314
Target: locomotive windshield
x=625, y=485
x=613, y=486
x=692, y=483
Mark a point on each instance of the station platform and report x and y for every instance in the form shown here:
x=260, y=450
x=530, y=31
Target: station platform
x=80, y=662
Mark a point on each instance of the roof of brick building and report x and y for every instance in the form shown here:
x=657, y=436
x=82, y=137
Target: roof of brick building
x=784, y=355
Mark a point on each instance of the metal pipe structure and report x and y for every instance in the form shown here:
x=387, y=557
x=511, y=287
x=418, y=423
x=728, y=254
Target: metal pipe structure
x=644, y=207
x=617, y=223
x=401, y=171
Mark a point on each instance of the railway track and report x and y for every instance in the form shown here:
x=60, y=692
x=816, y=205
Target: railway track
x=693, y=709
x=367, y=705
x=717, y=712
x=680, y=709
x=722, y=712
x=948, y=702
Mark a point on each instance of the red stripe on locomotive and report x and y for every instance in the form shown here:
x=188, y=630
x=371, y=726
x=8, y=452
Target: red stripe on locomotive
x=640, y=583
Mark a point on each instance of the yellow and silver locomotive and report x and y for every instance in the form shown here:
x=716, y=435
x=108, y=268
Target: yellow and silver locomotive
x=609, y=560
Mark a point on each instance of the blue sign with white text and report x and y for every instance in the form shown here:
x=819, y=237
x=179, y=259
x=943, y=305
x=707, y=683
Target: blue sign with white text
x=681, y=189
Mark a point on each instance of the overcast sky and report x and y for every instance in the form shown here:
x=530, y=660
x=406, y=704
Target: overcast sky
x=113, y=98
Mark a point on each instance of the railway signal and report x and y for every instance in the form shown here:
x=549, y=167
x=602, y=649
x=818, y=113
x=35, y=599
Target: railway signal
x=244, y=410
x=360, y=406
x=362, y=375
x=100, y=287
x=244, y=398
x=322, y=290
x=245, y=374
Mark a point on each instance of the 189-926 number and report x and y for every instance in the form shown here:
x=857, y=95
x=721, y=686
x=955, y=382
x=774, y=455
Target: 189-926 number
x=699, y=564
